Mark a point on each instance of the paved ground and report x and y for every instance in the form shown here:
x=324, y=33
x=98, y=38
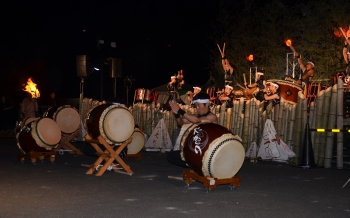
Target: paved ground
x=62, y=189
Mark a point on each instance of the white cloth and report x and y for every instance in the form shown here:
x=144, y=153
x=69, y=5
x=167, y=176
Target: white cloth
x=271, y=146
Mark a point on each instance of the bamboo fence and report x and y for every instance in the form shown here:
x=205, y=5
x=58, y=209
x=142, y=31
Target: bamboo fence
x=247, y=118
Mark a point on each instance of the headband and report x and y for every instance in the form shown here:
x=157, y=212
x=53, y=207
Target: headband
x=312, y=63
x=274, y=84
x=201, y=101
x=229, y=86
x=197, y=88
x=260, y=73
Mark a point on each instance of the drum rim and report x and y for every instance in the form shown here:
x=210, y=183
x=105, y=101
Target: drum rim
x=62, y=108
x=142, y=136
x=102, y=127
x=42, y=143
x=207, y=167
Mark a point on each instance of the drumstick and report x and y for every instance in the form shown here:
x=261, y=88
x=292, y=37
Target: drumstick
x=240, y=86
x=245, y=81
x=223, y=49
x=219, y=48
x=291, y=47
x=344, y=35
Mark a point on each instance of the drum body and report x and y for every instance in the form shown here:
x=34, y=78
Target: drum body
x=112, y=121
x=137, y=143
x=145, y=95
x=214, y=94
x=39, y=135
x=67, y=118
x=24, y=122
x=288, y=90
x=213, y=151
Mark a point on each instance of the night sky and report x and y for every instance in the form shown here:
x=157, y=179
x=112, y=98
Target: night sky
x=154, y=39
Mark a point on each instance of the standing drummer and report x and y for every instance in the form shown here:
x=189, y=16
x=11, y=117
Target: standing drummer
x=227, y=96
x=308, y=70
x=202, y=103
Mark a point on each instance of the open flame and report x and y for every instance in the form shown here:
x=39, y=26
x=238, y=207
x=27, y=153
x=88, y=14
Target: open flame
x=30, y=87
x=288, y=42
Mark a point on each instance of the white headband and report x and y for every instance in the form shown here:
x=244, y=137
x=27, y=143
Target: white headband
x=274, y=84
x=260, y=73
x=312, y=63
x=197, y=88
x=201, y=101
x=173, y=77
x=229, y=86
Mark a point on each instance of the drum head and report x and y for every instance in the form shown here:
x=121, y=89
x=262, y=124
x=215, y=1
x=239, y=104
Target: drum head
x=137, y=143
x=46, y=132
x=68, y=119
x=117, y=124
x=224, y=157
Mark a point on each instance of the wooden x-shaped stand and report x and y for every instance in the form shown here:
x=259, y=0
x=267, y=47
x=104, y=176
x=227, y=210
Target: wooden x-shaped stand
x=109, y=155
x=65, y=144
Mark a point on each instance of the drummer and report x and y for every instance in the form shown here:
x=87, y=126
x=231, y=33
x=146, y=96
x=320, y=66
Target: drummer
x=227, y=96
x=202, y=103
x=260, y=82
x=269, y=93
x=190, y=95
x=308, y=70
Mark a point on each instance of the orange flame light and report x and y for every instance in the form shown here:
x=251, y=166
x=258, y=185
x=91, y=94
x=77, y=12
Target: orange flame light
x=250, y=57
x=288, y=42
x=30, y=87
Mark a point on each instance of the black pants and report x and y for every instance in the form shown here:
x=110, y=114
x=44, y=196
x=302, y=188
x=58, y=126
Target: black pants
x=175, y=158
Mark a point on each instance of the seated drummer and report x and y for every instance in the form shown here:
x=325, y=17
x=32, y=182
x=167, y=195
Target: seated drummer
x=227, y=96
x=270, y=93
x=190, y=95
x=260, y=82
x=202, y=103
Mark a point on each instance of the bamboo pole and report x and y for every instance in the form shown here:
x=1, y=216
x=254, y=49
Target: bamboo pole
x=280, y=118
x=331, y=124
x=291, y=126
x=325, y=116
x=340, y=96
x=228, y=118
x=246, y=125
x=251, y=122
x=240, y=117
x=318, y=135
x=256, y=132
x=234, y=117
x=298, y=129
x=222, y=114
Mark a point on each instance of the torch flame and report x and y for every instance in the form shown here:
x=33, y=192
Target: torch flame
x=288, y=42
x=250, y=58
x=30, y=87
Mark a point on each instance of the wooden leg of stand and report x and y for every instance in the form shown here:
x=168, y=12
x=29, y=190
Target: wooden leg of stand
x=66, y=145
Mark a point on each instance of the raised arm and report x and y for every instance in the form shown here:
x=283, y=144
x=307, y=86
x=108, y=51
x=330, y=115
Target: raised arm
x=345, y=52
x=297, y=55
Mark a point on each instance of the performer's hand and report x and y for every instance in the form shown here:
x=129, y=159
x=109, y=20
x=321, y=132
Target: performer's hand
x=245, y=84
x=298, y=82
x=174, y=106
x=296, y=54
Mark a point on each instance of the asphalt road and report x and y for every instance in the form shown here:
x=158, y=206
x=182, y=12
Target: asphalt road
x=63, y=189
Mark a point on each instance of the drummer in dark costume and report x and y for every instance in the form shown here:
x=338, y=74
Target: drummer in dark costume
x=346, y=55
x=308, y=70
x=269, y=93
x=227, y=96
x=202, y=103
x=255, y=87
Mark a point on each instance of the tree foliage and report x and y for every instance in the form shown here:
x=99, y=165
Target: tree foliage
x=261, y=28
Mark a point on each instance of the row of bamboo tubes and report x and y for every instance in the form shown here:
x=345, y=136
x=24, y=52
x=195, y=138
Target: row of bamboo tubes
x=247, y=119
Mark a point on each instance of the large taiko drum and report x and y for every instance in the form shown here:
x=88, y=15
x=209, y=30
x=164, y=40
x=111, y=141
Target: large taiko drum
x=112, y=121
x=67, y=118
x=213, y=151
x=39, y=135
x=288, y=90
x=24, y=122
x=214, y=94
x=145, y=95
x=137, y=143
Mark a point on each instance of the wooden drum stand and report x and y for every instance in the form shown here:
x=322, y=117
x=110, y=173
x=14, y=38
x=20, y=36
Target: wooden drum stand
x=109, y=155
x=65, y=144
x=33, y=155
x=210, y=182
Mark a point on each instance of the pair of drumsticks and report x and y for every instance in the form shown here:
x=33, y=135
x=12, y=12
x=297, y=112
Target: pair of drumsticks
x=223, y=54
